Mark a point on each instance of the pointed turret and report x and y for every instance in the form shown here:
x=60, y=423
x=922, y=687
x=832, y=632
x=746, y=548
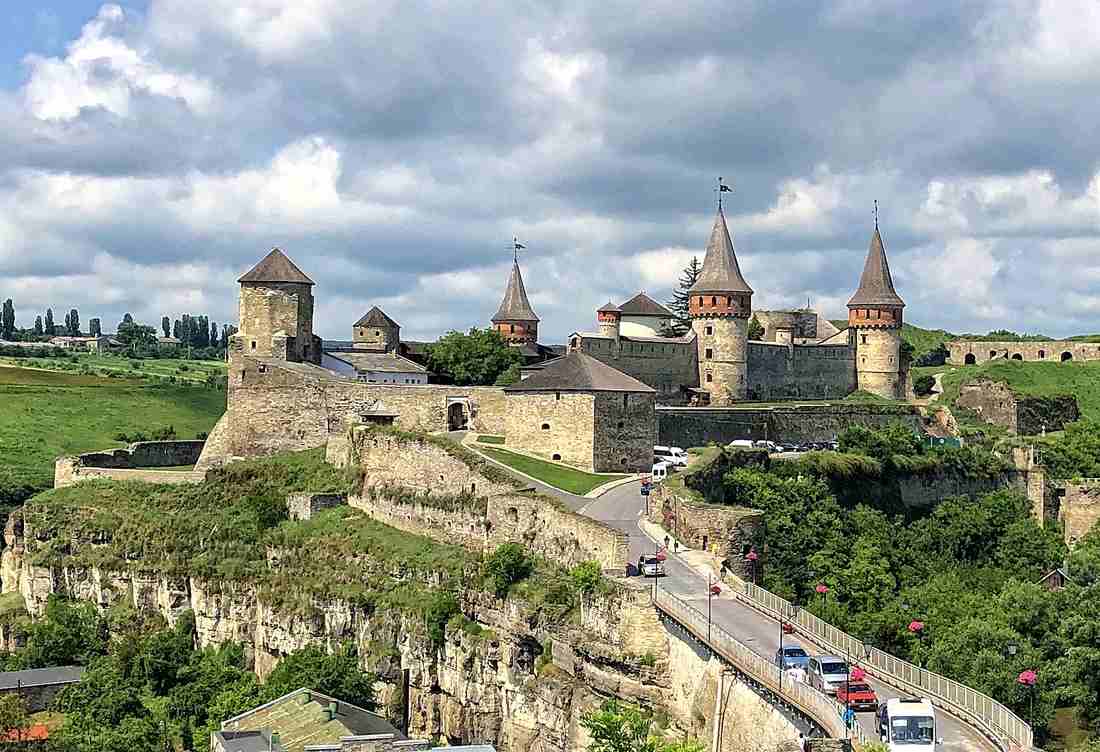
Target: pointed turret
x=721, y=272
x=876, y=287
x=515, y=319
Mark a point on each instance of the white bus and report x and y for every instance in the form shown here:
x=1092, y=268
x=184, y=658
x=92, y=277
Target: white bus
x=908, y=725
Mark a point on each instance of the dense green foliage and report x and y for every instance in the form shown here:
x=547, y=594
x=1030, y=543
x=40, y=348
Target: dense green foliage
x=478, y=357
x=505, y=567
x=924, y=384
x=1074, y=454
x=756, y=329
x=621, y=727
x=967, y=568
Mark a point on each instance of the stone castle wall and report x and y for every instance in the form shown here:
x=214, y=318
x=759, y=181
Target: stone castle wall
x=556, y=425
x=665, y=366
x=724, y=374
x=626, y=430
x=995, y=402
x=699, y=426
x=801, y=324
x=139, y=461
x=780, y=372
x=1079, y=508
x=878, y=361
x=1043, y=351
x=273, y=307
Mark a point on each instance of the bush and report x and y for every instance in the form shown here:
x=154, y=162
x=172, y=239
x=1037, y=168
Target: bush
x=923, y=385
x=587, y=576
x=505, y=567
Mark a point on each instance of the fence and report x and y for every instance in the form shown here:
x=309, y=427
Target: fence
x=982, y=711
x=828, y=713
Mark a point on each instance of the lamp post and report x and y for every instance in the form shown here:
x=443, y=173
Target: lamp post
x=1028, y=679
x=823, y=590
x=917, y=628
x=786, y=627
x=751, y=558
x=713, y=589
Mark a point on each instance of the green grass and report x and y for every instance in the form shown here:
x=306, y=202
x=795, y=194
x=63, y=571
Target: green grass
x=487, y=439
x=95, y=364
x=48, y=414
x=551, y=473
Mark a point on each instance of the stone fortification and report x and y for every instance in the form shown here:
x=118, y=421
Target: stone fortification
x=791, y=371
x=431, y=487
x=1079, y=508
x=690, y=426
x=625, y=432
x=995, y=402
x=727, y=532
x=303, y=506
x=558, y=426
x=667, y=364
x=139, y=461
x=962, y=352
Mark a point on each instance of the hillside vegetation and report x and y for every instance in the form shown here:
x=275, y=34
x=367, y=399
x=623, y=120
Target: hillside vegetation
x=47, y=414
x=1079, y=378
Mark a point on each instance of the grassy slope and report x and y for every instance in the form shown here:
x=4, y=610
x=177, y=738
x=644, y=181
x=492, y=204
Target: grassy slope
x=560, y=476
x=46, y=414
x=191, y=371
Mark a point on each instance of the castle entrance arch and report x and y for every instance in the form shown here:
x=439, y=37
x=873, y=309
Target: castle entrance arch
x=1067, y=355
x=458, y=413
x=1017, y=356
x=970, y=359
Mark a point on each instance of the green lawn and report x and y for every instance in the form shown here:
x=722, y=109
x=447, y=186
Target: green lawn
x=560, y=476
x=47, y=414
x=185, y=371
x=487, y=439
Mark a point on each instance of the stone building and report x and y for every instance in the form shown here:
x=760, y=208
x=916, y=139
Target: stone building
x=995, y=402
x=965, y=352
x=585, y=413
x=515, y=319
x=276, y=310
x=39, y=686
x=372, y=355
x=874, y=318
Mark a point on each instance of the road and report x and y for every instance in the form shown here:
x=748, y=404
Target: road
x=622, y=508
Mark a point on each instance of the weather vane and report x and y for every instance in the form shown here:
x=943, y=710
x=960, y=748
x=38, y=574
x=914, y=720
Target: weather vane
x=516, y=248
x=876, y=213
x=722, y=188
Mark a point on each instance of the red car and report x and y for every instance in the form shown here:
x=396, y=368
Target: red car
x=858, y=695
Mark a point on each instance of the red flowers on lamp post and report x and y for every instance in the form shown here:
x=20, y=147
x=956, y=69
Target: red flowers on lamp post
x=822, y=588
x=1028, y=679
x=917, y=628
x=858, y=674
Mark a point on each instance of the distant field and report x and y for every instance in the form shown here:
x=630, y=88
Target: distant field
x=187, y=371
x=46, y=414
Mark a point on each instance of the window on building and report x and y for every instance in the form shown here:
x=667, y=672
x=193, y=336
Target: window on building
x=557, y=395
x=262, y=368
x=1042, y=354
x=708, y=330
x=713, y=300
x=621, y=424
x=710, y=378
x=555, y=456
x=622, y=460
x=626, y=398
x=253, y=344
x=863, y=339
x=545, y=426
x=709, y=353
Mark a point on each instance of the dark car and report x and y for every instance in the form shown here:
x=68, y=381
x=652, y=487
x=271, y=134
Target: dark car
x=857, y=695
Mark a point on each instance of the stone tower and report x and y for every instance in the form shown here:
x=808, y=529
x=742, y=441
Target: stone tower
x=720, y=304
x=376, y=332
x=608, y=316
x=874, y=316
x=276, y=312
x=515, y=319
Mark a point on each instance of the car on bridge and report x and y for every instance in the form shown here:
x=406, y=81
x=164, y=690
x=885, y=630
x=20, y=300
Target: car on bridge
x=827, y=672
x=908, y=725
x=857, y=695
x=790, y=656
x=651, y=566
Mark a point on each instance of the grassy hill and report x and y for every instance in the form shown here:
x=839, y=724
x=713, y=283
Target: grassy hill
x=46, y=414
x=923, y=341
x=172, y=370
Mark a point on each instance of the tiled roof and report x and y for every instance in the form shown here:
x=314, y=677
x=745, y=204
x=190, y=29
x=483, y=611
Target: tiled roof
x=578, y=372
x=375, y=317
x=643, y=305
x=40, y=676
x=720, y=270
x=876, y=287
x=364, y=360
x=276, y=267
x=608, y=307
x=515, y=306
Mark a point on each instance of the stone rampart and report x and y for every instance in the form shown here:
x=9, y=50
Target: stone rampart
x=304, y=505
x=967, y=352
x=699, y=426
x=728, y=532
x=790, y=371
x=135, y=462
x=1079, y=507
x=995, y=402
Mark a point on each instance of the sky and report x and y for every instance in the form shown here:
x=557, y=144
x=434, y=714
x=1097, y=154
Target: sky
x=152, y=152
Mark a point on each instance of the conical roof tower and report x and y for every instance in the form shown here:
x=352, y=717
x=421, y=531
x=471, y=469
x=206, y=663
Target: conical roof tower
x=515, y=319
x=876, y=287
x=721, y=273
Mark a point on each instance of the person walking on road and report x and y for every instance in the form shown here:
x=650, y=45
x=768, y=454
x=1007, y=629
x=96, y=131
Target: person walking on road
x=796, y=674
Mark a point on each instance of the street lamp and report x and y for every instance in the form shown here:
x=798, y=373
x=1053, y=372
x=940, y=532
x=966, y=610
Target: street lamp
x=917, y=628
x=751, y=558
x=712, y=591
x=1028, y=679
x=786, y=627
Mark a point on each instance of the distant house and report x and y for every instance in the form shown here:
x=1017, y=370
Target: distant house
x=39, y=686
x=168, y=342
x=1055, y=579
x=375, y=367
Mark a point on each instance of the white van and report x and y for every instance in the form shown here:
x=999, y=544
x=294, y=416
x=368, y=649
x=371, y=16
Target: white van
x=741, y=444
x=660, y=471
x=908, y=725
x=674, y=456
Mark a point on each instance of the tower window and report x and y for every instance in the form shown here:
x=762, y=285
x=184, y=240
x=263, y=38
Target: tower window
x=713, y=300
x=863, y=339
x=710, y=378
x=545, y=426
x=253, y=344
x=557, y=395
x=626, y=397
x=708, y=330
x=556, y=456
x=709, y=353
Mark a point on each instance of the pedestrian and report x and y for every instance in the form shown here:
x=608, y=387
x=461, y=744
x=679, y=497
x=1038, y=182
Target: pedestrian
x=666, y=542
x=676, y=546
x=797, y=674
x=803, y=743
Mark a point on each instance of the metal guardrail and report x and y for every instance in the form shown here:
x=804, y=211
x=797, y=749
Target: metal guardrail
x=989, y=716
x=827, y=712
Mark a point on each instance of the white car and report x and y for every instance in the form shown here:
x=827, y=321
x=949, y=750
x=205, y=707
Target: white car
x=674, y=456
x=908, y=725
x=741, y=444
x=650, y=566
x=659, y=471
x=826, y=672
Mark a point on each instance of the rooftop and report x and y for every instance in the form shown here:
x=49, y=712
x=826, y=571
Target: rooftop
x=365, y=360
x=515, y=306
x=876, y=287
x=643, y=305
x=720, y=270
x=376, y=317
x=276, y=267
x=36, y=677
x=579, y=372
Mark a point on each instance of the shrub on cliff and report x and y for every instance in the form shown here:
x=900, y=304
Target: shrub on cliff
x=505, y=567
x=337, y=675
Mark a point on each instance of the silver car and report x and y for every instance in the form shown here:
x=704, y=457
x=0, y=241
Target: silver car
x=651, y=566
x=826, y=672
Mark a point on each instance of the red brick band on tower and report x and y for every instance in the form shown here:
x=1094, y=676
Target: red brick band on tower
x=515, y=319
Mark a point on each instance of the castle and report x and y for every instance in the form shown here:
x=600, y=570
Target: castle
x=800, y=355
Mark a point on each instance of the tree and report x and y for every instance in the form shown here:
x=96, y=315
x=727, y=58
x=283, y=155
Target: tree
x=68, y=323
x=136, y=336
x=679, y=303
x=166, y=326
x=475, y=358
x=506, y=566
x=337, y=675
x=94, y=328
x=127, y=320
x=69, y=633
x=509, y=377
x=177, y=329
x=756, y=329
x=619, y=727
x=74, y=322
x=7, y=320
x=14, y=717
x=213, y=337
x=924, y=384
x=39, y=330
x=49, y=328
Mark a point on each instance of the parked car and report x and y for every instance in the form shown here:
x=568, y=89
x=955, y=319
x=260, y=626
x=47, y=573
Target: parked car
x=674, y=456
x=740, y=444
x=771, y=446
x=857, y=695
x=651, y=566
x=659, y=471
x=791, y=656
x=827, y=672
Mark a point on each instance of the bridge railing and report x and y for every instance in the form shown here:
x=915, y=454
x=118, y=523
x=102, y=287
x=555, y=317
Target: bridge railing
x=982, y=711
x=827, y=712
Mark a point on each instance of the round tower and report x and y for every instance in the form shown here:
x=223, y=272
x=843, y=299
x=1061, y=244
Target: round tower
x=276, y=311
x=608, y=317
x=515, y=320
x=875, y=318
x=720, y=304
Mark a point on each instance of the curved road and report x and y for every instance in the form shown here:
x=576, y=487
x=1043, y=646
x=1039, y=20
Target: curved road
x=622, y=508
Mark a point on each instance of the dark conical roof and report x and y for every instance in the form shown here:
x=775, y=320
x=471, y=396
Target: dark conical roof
x=875, y=285
x=515, y=306
x=643, y=305
x=276, y=267
x=720, y=270
x=376, y=317
x=580, y=372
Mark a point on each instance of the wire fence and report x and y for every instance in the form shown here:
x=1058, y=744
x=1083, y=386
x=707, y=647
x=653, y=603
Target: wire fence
x=981, y=711
x=828, y=713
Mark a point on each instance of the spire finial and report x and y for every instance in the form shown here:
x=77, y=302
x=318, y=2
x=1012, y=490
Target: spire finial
x=722, y=188
x=876, y=213
x=516, y=248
